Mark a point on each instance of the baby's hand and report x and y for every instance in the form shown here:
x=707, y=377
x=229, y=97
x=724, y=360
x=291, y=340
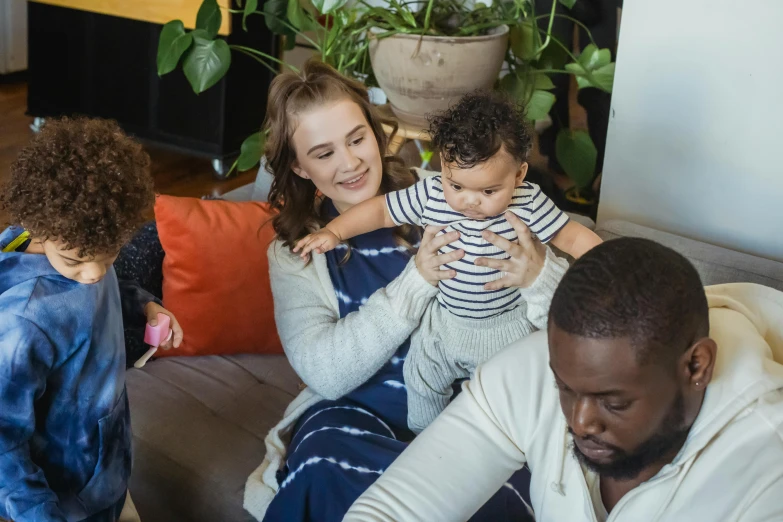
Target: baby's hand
x=151, y=311
x=322, y=241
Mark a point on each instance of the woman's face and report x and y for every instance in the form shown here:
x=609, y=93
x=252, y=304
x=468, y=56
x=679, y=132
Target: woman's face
x=337, y=150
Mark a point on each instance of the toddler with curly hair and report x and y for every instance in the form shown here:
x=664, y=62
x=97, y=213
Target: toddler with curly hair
x=483, y=196
x=77, y=193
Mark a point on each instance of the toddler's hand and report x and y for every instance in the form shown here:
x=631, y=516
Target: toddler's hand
x=151, y=311
x=322, y=241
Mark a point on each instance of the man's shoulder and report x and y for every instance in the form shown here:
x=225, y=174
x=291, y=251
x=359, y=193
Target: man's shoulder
x=767, y=412
x=517, y=389
x=749, y=449
x=521, y=368
x=529, y=350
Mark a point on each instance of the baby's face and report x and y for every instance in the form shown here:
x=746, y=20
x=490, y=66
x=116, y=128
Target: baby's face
x=484, y=190
x=86, y=270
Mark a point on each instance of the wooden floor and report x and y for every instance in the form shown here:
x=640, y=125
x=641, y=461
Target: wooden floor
x=175, y=174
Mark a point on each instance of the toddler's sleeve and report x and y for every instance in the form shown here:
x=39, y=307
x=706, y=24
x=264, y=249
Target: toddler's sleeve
x=538, y=212
x=134, y=299
x=26, y=358
x=407, y=206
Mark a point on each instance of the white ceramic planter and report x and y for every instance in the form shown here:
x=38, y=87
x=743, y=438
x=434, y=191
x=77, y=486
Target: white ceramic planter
x=442, y=70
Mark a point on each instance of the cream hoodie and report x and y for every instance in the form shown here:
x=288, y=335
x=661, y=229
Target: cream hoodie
x=730, y=468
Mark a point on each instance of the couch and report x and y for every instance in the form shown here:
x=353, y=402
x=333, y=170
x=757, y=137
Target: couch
x=199, y=422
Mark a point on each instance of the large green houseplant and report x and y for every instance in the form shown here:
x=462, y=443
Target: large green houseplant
x=339, y=31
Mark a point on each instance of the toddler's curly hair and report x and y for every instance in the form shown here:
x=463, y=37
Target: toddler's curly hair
x=82, y=181
x=473, y=130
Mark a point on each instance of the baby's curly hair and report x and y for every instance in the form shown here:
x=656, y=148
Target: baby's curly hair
x=473, y=130
x=82, y=181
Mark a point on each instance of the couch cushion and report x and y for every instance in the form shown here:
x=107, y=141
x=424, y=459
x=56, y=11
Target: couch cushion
x=715, y=264
x=216, y=275
x=243, y=193
x=257, y=191
x=198, y=428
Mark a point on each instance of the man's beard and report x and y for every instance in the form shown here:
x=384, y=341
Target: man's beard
x=625, y=466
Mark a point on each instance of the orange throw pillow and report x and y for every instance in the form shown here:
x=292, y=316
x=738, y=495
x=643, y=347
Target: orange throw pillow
x=216, y=275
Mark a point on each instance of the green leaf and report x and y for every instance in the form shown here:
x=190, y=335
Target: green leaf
x=582, y=82
x=577, y=154
x=386, y=16
x=552, y=57
x=201, y=34
x=251, y=151
x=568, y=3
x=209, y=17
x=544, y=82
x=579, y=72
x=524, y=43
x=331, y=36
x=586, y=55
x=408, y=17
x=514, y=87
x=297, y=16
x=250, y=8
x=593, y=58
x=603, y=78
x=206, y=63
x=173, y=43
x=289, y=42
x=275, y=16
x=539, y=105
x=328, y=6
x=523, y=90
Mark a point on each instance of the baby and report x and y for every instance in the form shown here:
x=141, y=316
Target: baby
x=483, y=142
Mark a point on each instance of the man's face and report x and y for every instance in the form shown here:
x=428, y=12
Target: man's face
x=623, y=416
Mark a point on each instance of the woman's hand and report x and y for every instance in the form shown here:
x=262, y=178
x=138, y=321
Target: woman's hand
x=151, y=311
x=527, y=257
x=428, y=261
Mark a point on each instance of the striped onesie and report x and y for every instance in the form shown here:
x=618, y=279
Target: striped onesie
x=492, y=316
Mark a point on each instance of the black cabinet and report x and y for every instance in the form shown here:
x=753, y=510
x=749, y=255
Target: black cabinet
x=98, y=65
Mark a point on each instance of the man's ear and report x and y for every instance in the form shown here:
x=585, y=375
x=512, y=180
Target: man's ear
x=699, y=363
x=522, y=172
x=298, y=170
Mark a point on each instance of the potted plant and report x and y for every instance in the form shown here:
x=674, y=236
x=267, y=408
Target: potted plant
x=400, y=45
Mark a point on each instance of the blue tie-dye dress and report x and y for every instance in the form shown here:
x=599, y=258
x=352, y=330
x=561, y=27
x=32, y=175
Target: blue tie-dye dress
x=339, y=448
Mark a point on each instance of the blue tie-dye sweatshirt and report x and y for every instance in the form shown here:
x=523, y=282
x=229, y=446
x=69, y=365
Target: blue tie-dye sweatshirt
x=65, y=434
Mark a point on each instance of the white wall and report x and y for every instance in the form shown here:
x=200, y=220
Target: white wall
x=13, y=36
x=695, y=142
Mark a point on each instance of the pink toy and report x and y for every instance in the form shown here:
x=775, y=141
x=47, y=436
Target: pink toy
x=155, y=336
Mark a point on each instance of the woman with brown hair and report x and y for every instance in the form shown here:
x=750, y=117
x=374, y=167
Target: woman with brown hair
x=344, y=317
